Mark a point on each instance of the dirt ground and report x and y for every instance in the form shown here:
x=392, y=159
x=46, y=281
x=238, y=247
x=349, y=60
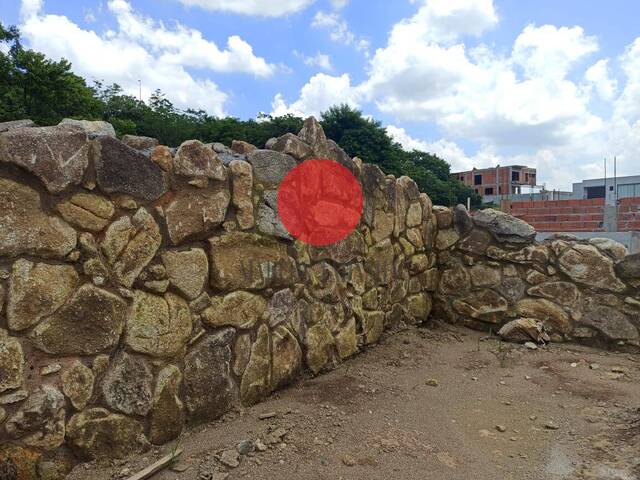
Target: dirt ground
x=430, y=404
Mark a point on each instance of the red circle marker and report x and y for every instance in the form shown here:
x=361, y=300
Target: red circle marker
x=320, y=202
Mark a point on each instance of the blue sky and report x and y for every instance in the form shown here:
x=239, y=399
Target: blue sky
x=544, y=83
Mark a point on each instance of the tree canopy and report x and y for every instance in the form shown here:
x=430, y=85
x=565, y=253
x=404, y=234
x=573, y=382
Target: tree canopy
x=46, y=91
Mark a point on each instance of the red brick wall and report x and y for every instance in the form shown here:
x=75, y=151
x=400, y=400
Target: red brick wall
x=629, y=214
x=561, y=215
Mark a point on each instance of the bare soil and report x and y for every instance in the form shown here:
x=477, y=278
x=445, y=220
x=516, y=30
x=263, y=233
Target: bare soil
x=431, y=404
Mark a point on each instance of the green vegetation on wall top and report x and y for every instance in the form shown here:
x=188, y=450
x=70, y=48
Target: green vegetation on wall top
x=46, y=91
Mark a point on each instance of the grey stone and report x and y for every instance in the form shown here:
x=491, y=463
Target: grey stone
x=269, y=167
x=195, y=159
x=97, y=433
x=12, y=362
x=209, y=389
x=290, y=144
x=139, y=142
x=91, y=322
x=40, y=420
x=121, y=169
x=611, y=323
x=586, y=265
x=127, y=385
x=94, y=128
x=14, y=124
x=37, y=290
x=195, y=212
x=188, y=270
x=629, y=267
x=57, y=155
x=504, y=227
x=26, y=229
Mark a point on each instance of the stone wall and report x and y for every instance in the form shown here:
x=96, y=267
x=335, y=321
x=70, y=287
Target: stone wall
x=144, y=289
x=493, y=272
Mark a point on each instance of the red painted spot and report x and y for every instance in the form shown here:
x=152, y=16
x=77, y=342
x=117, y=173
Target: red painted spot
x=320, y=202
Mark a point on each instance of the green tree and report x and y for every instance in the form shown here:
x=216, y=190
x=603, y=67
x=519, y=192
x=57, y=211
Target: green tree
x=32, y=86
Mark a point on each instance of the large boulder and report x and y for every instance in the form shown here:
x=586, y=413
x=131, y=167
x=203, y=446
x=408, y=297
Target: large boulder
x=167, y=415
x=129, y=244
x=13, y=124
x=242, y=190
x=194, y=212
x=238, y=309
x=269, y=167
x=188, y=270
x=320, y=347
x=290, y=144
x=350, y=248
x=379, y=262
x=157, y=326
x=209, y=389
x=87, y=211
x=11, y=362
x=611, y=323
x=564, y=293
x=551, y=314
x=121, y=169
x=250, y=262
x=313, y=134
x=90, y=322
x=586, y=265
x=287, y=357
x=37, y=290
x=40, y=420
x=504, y=227
x=57, y=155
x=97, y=433
x=629, y=267
x=454, y=280
x=94, y=128
x=77, y=384
x=127, y=384
x=195, y=159
x=139, y=142
x=615, y=250
x=26, y=229
x=485, y=305
x=256, y=380
x=282, y=308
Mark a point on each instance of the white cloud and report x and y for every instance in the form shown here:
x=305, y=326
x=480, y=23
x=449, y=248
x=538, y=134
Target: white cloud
x=445, y=21
x=549, y=51
x=29, y=8
x=423, y=75
x=320, y=60
x=599, y=76
x=627, y=106
x=321, y=92
x=339, y=30
x=187, y=47
x=339, y=4
x=272, y=8
x=144, y=49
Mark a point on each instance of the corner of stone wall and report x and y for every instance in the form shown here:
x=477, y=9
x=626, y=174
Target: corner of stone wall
x=145, y=288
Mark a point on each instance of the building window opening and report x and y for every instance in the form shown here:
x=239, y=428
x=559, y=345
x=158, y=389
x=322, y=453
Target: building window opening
x=477, y=179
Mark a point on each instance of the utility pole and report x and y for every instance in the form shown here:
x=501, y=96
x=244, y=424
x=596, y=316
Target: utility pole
x=140, y=88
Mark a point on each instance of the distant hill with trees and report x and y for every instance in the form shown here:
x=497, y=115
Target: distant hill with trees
x=46, y=91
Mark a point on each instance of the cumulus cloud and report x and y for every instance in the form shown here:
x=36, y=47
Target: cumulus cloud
x=339, y=30
x=144, y=49
x=272, y=8
x=321, y=92
x=320, y=60
x=599, y=77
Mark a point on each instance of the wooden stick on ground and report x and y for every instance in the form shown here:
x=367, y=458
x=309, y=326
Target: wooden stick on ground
x=156, y=467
